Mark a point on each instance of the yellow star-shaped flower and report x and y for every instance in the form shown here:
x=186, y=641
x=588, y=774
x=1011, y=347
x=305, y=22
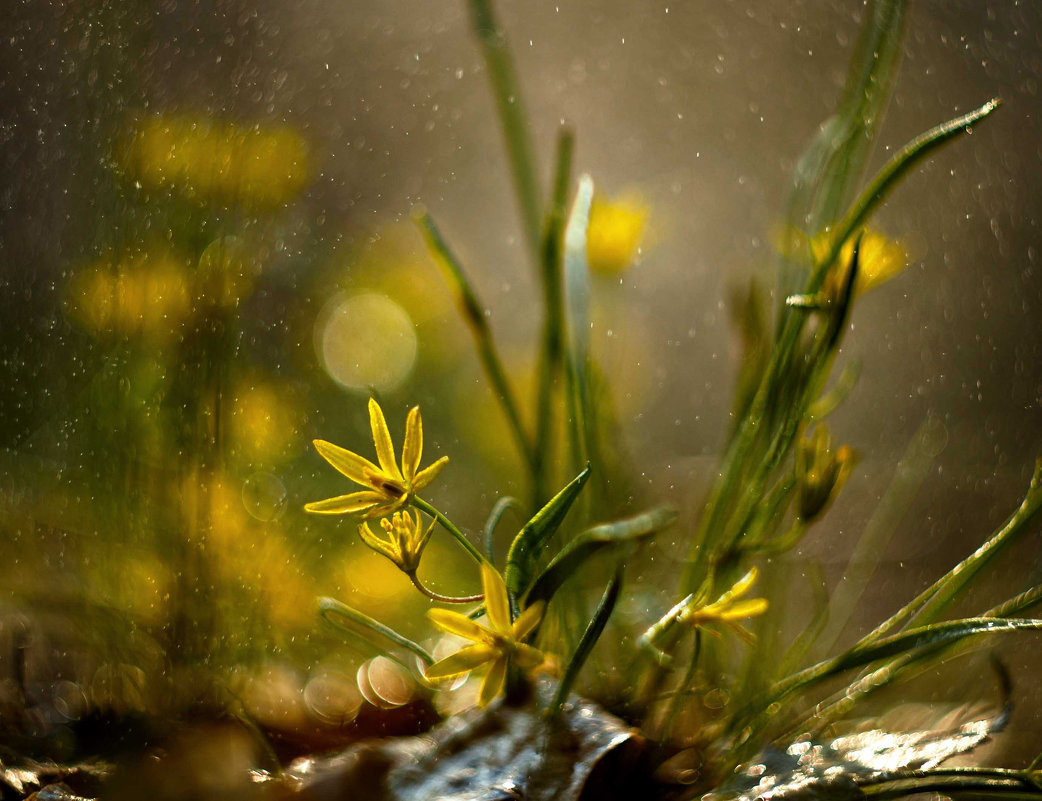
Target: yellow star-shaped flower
x=727, y=609
x=405, y=540
x=495, y=645
x=388, y=487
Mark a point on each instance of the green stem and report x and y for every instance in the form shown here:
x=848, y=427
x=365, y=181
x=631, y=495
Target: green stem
x=447, y=524
x=552, y=353
x=929, y=604
x=681, y=691
x=443, y=599
x=589, y=639
x=511, y=116
x=1001, y=781
x=473, y=313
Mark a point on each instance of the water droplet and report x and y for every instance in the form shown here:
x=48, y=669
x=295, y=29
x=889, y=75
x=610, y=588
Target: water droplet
x=264, y=496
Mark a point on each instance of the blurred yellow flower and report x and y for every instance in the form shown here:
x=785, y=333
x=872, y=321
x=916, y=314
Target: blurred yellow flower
x=496, y=645
x=727, y=610
x=226, y=272
x=389, y=488
x=615, y=232
x=244, y=556
x=405, y=541
x=221, y=161
x=263, y=424
x=879, y=260
x=144, y=295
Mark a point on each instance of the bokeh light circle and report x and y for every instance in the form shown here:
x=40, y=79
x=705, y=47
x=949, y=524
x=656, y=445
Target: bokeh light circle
x=264, y=496
x=365, y=340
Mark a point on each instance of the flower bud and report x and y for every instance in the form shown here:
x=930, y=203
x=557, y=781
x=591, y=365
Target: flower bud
x=820, y=473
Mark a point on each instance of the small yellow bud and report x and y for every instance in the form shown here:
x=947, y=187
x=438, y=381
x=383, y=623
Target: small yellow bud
x=820, y=473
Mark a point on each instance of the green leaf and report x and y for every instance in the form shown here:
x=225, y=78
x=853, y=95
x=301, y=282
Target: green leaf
x=826, y=174
x=831, y=400
x=489, y=531
x=838, y=318
x=924, y=637
x=551, y=355
x=529, y=543
x=935, y=598
x=374, y=633
x=895, y=169
x=593, y=541
x=911, y=471
x=796, y=653
x=748, y=314
x=499, y=67
x=577, y=330
x=588, y=640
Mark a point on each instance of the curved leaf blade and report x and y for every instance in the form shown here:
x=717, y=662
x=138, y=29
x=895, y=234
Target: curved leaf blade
x=593, y=541
x=371, y=631
x=895, y=169
x=898, y=644
x=530, y=541
x=589, y=639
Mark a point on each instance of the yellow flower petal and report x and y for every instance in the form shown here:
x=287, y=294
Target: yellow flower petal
x=387, y=482
x=382, y=440
x=527, y=657
x=379, y=545
x=351, y=504
x=429, y=473
x=743, y=585
x=528, y=620
x=422, y=543
x=614, y=233
x=494, y=681
x=460, y=625
x=743, y=609
x=462, y=661
x=496, y=602
x=413, y=447
x=355, y=467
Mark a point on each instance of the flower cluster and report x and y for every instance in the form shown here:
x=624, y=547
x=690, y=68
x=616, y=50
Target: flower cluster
x=406, y=539
x=389, y=488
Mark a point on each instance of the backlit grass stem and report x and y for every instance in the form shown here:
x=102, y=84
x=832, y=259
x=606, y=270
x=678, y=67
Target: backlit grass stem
x=552, y=351
x=473, y=313
x=512, y=118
